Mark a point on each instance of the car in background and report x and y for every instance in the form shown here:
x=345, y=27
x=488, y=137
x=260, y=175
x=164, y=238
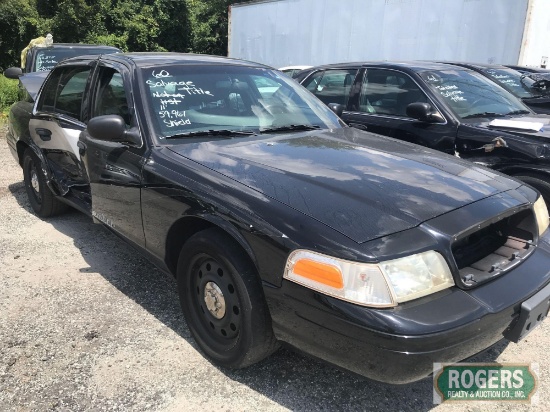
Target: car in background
x=448, y=108
x=43, y=58
x=532, y=88
x=292, y=71
x=282, y=224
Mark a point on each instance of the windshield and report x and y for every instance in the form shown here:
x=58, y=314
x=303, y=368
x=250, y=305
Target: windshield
x=47, y=58
x=516, y=82
x=470, y=94
x=186, y=100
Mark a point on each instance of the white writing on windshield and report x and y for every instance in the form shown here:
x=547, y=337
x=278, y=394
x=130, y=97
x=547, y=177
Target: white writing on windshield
x=451, y=92
x=170, y=93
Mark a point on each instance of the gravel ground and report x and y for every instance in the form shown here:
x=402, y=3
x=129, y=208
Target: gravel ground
x=87, y=324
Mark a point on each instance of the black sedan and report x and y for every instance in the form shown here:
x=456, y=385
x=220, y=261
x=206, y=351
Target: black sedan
x=532, y=88
x=280, y=223
x=448, y=108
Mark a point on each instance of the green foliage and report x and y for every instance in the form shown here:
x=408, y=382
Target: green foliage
x=198, y=26
x=119, y=41
x=17, y=28
x=8, y=95
x=209, y=22
x=74, y=19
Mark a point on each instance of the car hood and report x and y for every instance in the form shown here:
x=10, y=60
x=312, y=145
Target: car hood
x=33, y=81
x=363, y=185
x=530, y=119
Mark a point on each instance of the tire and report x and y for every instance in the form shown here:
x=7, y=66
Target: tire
x=223, y=302
x=42, y=200
x=541, y=185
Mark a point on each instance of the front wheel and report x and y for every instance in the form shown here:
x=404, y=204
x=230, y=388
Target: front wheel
x=42, y=200
x=223, y=302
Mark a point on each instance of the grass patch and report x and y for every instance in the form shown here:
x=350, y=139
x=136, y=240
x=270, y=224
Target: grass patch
x=8, y=95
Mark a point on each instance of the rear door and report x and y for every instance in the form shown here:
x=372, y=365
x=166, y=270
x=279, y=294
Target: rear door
x=57, y=122
x=114, y=169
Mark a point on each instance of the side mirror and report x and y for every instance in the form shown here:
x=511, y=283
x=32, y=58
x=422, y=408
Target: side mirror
x=336, y=108
x=13, y=73
x=112, y=128
x=424, y=112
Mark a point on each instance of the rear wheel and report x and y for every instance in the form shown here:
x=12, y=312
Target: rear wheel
x=223, y=301
x=42, y=200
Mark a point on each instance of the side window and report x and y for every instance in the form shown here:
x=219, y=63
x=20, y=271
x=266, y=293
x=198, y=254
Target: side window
x=388, y=92
x=332, y=86
x=111, y=96
x=64, y=90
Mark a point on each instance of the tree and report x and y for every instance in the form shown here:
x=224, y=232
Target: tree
x=175, y=31
x=16, y=29
x=209, y=24
x=75, y=19
x=198, y=26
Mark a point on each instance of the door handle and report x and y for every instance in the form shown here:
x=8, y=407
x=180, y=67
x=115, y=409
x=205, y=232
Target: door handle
x=45, y=134
x=358, y=126
x=81, y=147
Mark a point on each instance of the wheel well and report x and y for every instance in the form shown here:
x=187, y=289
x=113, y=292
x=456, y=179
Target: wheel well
x=181, y=231
x=527, y=172
x=21, y=147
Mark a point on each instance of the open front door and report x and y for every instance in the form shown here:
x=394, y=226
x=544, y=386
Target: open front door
x=56, y=125
x=114, y=169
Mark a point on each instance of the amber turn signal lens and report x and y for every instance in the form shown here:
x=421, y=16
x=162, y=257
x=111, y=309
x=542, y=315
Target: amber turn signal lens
x=319, y=272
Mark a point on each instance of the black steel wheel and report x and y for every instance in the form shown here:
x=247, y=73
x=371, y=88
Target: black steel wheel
x=222, y=300
x=42, y=200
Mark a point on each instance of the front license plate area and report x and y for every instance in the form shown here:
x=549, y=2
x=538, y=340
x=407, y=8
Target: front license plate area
x=533, y=311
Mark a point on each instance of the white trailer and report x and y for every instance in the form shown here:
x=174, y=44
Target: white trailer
x=312, y=32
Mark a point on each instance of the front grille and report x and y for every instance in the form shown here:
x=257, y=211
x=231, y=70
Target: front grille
x=486, y=252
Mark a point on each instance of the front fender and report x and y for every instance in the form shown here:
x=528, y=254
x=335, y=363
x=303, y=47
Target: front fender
x=44, y=166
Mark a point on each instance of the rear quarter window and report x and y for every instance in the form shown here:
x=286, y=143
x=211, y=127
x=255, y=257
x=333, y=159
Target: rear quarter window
x=331, y=86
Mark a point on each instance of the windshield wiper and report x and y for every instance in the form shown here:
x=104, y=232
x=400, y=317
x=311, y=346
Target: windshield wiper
x=223, y=133
x=518, y=112
x=290, y=127
x=483, y=114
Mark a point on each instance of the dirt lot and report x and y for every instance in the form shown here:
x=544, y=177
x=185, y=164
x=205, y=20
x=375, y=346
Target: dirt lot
x=87, y=324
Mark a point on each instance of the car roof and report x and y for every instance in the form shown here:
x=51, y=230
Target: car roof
x=147, y=59
x=476, y=65
x=527, y=68
x=410, y=65
x=76, y=46
x=294, y=67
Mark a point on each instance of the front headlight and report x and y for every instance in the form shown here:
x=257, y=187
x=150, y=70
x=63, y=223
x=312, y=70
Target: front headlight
x=541, y=213
x=379, y=285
